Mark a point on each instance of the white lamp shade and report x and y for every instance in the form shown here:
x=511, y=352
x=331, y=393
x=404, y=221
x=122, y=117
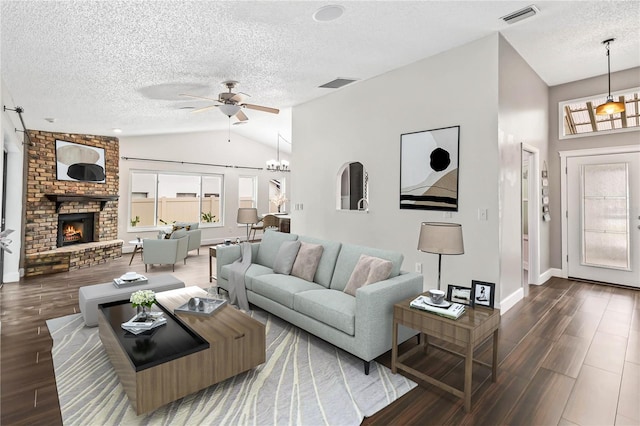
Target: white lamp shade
x=229, y=110
x=247, y=215
x=441, y=238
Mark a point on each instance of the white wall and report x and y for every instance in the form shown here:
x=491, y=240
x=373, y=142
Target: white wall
x=575, y=90
x=11, y=142
x=363, y=122
x=202, y=147
x=523, y=118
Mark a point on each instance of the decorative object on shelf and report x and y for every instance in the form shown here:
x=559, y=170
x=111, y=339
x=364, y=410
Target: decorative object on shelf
x=545, y=193
x=279, y=201
x=247, y=216
x=609, y=107
x=459, y=294
x=441, y=238
x=483, y=293
x=429, y=169
x=277, y=165
x=143, y=300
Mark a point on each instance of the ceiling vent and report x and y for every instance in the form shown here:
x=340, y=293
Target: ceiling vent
x=521, y=14
x=337, y=83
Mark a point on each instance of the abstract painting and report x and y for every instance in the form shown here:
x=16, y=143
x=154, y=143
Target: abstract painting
x=429, y=169
x=77, y=162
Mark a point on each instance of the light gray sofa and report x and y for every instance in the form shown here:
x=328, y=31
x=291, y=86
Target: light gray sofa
x=361, y=325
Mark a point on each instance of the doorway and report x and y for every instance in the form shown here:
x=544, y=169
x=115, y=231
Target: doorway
x=602, y=211
x=530, y=206
x=4, y=210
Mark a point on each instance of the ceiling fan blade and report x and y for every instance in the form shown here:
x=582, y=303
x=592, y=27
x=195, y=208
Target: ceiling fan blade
x=198, y=97
x=204, y=108
x=241, y=116
x=261, y=108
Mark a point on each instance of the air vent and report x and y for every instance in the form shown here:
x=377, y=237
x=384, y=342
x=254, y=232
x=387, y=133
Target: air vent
x=338, y=83
x=521, y=14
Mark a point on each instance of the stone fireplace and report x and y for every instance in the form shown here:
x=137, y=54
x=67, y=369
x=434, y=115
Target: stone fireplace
x=69, y=224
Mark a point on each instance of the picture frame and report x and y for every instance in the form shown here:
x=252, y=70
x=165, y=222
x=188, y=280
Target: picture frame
x=79, y=163
x=460, y=294
x=483, y=293
x=429, y=162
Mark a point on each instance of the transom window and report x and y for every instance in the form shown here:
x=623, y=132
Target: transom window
x=579, y=116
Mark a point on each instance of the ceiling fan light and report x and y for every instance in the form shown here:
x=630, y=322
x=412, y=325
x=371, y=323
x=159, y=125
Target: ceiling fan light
x=229, y=110
x=610, y=107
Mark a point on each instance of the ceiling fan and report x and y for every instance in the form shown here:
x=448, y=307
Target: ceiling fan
x=231, y=104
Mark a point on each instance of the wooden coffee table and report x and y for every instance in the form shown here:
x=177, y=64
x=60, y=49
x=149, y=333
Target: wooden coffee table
x=189, y=353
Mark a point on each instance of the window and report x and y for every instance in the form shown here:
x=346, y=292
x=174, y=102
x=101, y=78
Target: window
x=163, y=198
x=579, y=116
x=247, y=186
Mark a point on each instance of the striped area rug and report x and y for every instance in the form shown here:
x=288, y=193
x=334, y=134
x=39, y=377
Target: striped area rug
x=304, y=381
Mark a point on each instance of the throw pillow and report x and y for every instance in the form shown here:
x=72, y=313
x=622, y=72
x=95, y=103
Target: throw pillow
x=368, y=270
x=307, y=261
x=285, y=257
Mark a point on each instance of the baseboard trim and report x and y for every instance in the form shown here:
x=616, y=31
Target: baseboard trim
x=551, y=272
x=509, y=301
x=11, y=277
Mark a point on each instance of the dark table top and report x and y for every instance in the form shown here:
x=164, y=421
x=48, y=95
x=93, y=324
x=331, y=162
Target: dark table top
x=159, y=345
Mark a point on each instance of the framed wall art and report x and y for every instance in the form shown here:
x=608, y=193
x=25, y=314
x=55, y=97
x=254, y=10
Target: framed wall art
x=483, y=293
x=79, y=163
x=429, y=169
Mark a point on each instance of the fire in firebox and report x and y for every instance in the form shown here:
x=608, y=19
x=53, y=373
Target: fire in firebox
x=71, y=233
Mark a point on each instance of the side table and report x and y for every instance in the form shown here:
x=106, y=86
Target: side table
x=137, y=248
x=469, y=331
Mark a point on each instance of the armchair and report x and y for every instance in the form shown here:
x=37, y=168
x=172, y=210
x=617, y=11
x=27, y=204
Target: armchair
x=195, y=234
x=163, y=251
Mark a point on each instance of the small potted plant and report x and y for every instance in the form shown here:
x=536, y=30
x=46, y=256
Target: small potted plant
x=143, y=300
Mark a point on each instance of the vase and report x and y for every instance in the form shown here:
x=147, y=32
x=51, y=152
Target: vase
x=143, y=311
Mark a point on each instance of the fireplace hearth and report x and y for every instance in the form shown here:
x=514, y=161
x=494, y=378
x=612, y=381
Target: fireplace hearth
x=75, y=228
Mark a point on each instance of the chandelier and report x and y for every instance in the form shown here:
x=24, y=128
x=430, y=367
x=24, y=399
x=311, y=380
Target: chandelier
x=277, y=165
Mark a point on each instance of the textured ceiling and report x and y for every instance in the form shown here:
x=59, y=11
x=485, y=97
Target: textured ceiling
x=99, y=65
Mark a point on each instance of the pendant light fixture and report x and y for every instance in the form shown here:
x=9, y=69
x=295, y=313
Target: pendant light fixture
x=609, y=107
x=277, y=165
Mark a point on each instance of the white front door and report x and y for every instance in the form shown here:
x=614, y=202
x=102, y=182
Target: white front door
x=603, y=218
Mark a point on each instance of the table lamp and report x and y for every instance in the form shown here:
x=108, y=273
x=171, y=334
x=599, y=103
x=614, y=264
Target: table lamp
x=441, y=238
x=248, y=216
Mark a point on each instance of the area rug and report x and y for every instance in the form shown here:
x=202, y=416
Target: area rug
x=304, y=381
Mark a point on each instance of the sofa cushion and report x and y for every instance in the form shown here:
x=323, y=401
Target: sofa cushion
x=285, y=257
x=253, y=272
x=307, y=261
x=281, y=288
x=178, y=234
x=368, y=270
x=270, y=245
x=349, y=256
x=331, y=307
x=327, y=261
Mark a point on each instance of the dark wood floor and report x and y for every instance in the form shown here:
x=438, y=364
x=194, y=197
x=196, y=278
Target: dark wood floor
x=569, y=353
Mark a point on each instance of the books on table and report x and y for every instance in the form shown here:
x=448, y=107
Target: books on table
x=452, y=311
x=141, y=323
x=128, y=282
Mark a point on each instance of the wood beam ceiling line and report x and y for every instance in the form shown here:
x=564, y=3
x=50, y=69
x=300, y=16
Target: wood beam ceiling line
x=569, y=118
x=592, y=117
x=623, y=114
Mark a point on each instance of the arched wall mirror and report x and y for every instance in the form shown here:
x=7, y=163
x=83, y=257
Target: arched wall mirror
x=353, y=187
